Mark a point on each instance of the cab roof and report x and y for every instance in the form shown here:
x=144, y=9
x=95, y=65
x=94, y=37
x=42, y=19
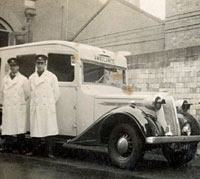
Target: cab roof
x=49, y=42
x=85, y=51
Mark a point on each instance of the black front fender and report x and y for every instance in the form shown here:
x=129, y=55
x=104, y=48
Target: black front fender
x=145, y=125
x=99, y=132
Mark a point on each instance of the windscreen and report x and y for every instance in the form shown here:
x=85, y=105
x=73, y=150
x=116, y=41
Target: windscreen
x=103, y=74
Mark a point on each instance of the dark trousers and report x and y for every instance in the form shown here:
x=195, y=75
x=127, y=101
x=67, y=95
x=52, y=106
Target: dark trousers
x=8, y=143
x=21, y=142
x=11, y=145
x=35, y=144
x=49, y=145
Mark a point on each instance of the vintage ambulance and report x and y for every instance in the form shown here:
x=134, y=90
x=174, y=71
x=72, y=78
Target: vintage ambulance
x=97, y=106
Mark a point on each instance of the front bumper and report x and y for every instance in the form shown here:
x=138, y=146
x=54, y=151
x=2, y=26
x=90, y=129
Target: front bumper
x=172, y=139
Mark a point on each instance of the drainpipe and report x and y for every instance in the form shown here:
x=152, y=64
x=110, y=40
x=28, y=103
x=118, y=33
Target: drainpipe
x=30, y=13
x=64, y=18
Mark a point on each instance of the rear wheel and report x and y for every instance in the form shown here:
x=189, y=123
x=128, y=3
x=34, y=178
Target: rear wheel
x=179, y=154
x=125, y=146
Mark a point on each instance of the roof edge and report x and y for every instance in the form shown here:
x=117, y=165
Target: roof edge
x=90, y=20
x=140, y=10
x=123, y=2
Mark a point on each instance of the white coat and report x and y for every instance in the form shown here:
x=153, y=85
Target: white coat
x=14, y=93
x=44, y=95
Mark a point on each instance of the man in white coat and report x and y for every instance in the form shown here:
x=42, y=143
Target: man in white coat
x=14, y=93
x=44, y=95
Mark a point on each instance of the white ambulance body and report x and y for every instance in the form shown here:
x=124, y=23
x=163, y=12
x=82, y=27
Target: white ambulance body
x=76, y=106
x=97, y=108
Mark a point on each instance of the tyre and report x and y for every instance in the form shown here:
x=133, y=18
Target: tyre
x=179, y=154
x=125, y=146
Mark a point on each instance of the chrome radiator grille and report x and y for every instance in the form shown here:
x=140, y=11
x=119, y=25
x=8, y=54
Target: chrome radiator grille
x=170, y=114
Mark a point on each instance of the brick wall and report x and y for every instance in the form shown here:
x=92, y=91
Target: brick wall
x=182, y=24
x=176, y=71
x=136, y=41
x=175, y=7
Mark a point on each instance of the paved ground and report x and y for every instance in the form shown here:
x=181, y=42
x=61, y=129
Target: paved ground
x=82, y=164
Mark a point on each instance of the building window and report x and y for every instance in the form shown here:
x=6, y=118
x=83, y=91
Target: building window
x=3, y=39
x=5, y=29
x=60, y=65
x=3, y=36
x=2, y=27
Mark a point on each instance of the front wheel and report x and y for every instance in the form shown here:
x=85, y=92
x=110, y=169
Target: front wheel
x=179, y=154
x=125, y=146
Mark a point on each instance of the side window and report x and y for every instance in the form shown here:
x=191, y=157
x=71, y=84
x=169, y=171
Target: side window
x=27, y=64
x=60, y=65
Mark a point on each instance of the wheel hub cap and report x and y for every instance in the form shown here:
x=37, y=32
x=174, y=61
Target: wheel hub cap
x=122, y=145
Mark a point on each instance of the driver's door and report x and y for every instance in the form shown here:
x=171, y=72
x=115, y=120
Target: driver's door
x=60, y=64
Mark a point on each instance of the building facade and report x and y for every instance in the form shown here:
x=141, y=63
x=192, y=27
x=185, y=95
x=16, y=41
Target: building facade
x=122, y=26
x=176, y=68
x=23, y=21
x=182, y=23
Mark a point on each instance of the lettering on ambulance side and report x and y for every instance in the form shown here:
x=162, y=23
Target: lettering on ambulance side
x=104, y=59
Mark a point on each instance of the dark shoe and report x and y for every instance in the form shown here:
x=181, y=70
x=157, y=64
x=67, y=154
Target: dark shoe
x=51, y=156
x=5, y=150
x=23, y=152
x=15, y=152
x=29, y=154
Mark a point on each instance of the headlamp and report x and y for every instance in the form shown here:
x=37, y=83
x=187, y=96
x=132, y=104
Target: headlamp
x=158, y=103
x=186, y=106
x=186, y=129
x=183, y=105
